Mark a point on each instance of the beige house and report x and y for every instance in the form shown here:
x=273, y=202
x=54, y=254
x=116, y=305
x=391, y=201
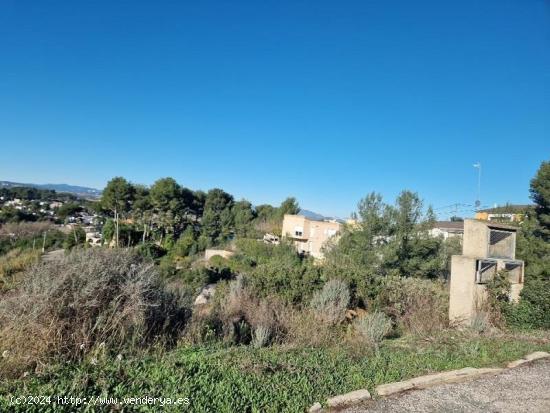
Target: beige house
x=308, y=235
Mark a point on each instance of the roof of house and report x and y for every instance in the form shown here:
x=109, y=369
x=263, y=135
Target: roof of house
x=449, y=225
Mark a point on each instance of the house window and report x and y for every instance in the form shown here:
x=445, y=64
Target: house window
x=298, y=231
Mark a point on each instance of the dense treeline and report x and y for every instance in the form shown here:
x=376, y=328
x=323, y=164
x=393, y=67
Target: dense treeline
x=167, y=213
x=29, y=193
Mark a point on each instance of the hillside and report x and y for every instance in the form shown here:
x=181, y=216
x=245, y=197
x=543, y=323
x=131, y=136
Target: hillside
x=81, y=191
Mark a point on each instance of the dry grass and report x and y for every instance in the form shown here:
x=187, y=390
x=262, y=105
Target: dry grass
x=417, y=306
x=20, y=230
x=239, y=317
x=66, y=308
x=13, y=263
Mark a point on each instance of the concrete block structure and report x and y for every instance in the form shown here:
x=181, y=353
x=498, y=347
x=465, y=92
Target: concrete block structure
x=487, y=249
x=308, y=235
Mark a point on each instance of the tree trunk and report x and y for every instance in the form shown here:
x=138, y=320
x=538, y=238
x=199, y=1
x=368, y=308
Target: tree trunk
x=116, y=228
x=144, y=232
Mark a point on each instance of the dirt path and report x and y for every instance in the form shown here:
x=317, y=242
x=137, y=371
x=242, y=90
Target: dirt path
x=524, y=389
x=53, y=255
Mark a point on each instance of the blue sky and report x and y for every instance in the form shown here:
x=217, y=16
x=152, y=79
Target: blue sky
x=322, y=100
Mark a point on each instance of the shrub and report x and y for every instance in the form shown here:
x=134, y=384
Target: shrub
x=292, y=282
x=331, y=302
x=498, y=299
x=373, y=327
x=304, y=330
x=260, y=336
x=240, y=309
x=417, y=306
x=533, y=309
x=89, y=297
x=150, y=250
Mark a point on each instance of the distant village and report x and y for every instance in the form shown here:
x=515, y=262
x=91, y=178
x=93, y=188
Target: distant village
x=65, y=211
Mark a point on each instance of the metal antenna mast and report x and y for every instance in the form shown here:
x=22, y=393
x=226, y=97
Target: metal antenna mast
x=478, y=167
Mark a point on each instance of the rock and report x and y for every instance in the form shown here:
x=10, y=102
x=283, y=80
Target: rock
x=205, y=294
x=437, y=378
x=315, y=408
x=391, y=388
x=536, y=355
x=349, y=399
x=429, y=380
x=516, y=363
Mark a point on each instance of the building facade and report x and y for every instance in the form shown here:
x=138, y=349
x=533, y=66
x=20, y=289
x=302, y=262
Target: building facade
x=447, y=229
x=308, y=235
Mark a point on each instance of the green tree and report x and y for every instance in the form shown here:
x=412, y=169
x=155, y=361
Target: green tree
x=386, y=240
x=540, y=193
x=289, y=206
x=117, y=198
x=243, y=215
x=166, y=200
x=533, y=246
x=172, y=204
x=217, y=218
x=199, y=198
x=75, y=238
x=142, y=210
x=67, y=209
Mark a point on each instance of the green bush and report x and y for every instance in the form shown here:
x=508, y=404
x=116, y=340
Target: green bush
x=533, y=309
x=330, y=304
x=150, y=250
x=373, y=327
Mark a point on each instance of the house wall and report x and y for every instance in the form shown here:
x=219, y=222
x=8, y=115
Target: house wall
x=314, y=234
x=445, y=233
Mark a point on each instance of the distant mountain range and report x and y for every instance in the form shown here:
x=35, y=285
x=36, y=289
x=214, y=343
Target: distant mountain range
x=316, y=217
x=81, y=191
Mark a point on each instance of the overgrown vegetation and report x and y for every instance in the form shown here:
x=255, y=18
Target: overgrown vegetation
x=89, y=298
x=274, y=379
x=533, y=310
x=281, y=330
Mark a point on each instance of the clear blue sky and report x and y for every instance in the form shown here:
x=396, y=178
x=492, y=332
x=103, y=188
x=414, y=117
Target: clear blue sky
x=323, y=100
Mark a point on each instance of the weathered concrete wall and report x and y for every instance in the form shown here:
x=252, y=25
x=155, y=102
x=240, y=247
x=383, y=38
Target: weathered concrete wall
x=468, y=291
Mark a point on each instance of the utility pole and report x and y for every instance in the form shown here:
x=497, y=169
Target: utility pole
x=478, y=200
